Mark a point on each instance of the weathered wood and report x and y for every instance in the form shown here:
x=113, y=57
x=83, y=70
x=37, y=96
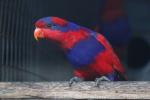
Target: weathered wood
x=83, y=90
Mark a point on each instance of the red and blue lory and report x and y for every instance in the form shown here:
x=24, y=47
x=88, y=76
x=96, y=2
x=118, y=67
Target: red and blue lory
x=113, y=23
x=90, y=53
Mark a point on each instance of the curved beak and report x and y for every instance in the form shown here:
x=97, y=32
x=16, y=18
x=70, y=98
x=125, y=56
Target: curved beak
x=37, y=33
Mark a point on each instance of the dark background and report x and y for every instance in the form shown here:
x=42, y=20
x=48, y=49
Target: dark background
x=24, y=59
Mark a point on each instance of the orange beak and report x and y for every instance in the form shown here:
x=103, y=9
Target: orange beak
x=38, y=34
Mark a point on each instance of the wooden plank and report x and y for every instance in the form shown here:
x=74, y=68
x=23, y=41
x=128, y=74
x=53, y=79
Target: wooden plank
x=82, y=90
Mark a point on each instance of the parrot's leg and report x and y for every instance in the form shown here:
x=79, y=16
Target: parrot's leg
x=98, y=80
x=74, y=80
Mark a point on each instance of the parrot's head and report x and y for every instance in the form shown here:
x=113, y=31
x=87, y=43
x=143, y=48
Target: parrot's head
x=53, y=28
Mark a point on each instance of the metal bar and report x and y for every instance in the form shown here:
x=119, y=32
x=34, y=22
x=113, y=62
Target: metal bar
x=24, y=32
x=8, y=40
x=1, y=36
x=12, y=39
x=14, y=64
x=16, y=38
x=4, y=21
x=38, y=12
x=32, y=44
x=20, y=43
x=30, y=36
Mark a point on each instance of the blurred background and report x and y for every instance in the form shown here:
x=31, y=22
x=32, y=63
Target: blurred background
x=125, y=23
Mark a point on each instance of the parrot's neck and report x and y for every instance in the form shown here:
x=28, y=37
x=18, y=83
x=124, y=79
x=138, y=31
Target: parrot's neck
x=69, y=39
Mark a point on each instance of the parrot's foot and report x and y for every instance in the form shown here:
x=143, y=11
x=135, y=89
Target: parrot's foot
x=98, y=80
x=74, y=80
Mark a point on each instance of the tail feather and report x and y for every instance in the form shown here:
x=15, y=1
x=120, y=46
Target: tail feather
x=115, y=60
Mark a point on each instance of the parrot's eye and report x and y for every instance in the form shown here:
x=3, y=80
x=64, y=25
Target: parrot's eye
x=51, y=25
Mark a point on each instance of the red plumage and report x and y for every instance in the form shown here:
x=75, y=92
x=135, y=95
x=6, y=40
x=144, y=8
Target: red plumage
x=71, y=37
x=104, y=63
x=59, y=21
x=40, y=24
x=82, y=46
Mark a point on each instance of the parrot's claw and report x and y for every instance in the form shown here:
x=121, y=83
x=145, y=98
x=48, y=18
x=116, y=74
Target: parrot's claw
x=74, y=80
x=98, y=80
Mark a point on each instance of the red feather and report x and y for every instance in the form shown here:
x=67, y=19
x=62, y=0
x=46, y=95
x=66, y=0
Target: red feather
x=40, y=24
x=104, y=63
x=111, y=57
x=59, y=21
x=70, y=38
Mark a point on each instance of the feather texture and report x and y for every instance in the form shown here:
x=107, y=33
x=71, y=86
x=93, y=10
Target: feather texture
x=89, y=52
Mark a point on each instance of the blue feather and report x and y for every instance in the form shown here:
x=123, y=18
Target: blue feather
x=84, y=52
x=46, y=20
x=69, y=27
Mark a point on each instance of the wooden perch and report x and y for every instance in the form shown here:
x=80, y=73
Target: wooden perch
x=83, y=90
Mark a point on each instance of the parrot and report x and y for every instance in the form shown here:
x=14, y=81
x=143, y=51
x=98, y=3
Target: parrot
x=89, y=52
x=113, y=23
